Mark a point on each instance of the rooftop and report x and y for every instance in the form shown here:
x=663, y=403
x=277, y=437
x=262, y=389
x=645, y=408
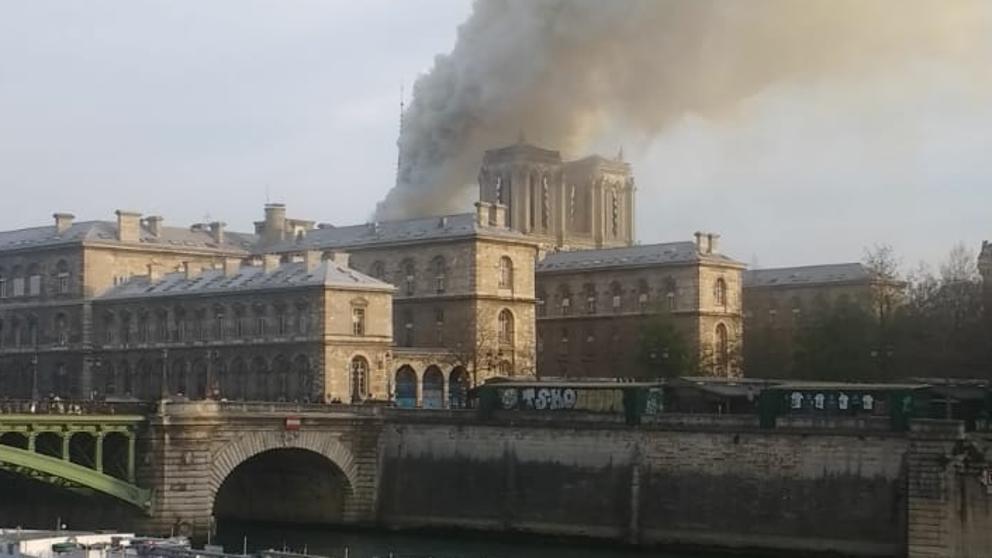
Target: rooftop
x=106, y=232
x=807, y=275
x=247, y=278
x=386, y=232
x=642, y=255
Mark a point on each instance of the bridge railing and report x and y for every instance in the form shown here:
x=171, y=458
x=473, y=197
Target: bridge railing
x=72, y=407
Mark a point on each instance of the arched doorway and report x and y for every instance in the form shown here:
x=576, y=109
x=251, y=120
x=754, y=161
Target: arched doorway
x=433, y=392
x=458, y=388
x=406, y=387
x=288, y=485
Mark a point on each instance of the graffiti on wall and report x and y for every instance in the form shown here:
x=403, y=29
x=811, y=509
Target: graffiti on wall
x=562, y=399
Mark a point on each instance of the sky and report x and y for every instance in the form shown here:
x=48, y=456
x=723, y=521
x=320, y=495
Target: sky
x=206, y=110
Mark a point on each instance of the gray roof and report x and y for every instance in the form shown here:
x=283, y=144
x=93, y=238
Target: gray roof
x=386, y=232
x=106, y=232
x=247, y=278
x=642, y=255
x=807, y=275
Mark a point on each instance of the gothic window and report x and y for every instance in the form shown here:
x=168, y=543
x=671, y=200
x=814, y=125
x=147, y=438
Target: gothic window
x=720, y=292
x=359, y=378
x=616, y=294
x=589, y=292
x=545, y=203
x=439, y=268
x=358, y=318
x=506, y=327
x=409, y=277
x=505, y=273
x=615, y=213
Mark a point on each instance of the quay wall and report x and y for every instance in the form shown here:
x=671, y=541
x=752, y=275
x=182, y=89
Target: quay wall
x=705, y=481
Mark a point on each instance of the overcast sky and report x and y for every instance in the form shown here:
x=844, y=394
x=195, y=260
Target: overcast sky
x=197, y=110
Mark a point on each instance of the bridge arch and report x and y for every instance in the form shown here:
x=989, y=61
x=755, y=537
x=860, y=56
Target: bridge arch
x=316, y=451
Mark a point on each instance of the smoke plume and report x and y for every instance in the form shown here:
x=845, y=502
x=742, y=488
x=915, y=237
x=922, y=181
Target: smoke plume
x=568, y=71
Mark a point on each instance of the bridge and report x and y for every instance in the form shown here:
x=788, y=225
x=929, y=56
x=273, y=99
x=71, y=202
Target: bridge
x=75, y=446
x=705, y=480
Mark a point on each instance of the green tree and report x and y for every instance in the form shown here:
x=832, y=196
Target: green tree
x=663, y=351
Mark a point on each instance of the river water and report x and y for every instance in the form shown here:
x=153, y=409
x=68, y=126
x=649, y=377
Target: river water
x=383, y=544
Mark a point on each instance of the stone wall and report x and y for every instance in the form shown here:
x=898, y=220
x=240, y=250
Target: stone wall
x=709, y=484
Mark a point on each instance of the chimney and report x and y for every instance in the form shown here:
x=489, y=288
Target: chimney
x=275, y=223
x=699, y=242
x=714, y=243
x=482, y=213
x=128, y=226
x=217, y=232
x=63, y=221
x=312, y=260
x=154, y=272
x=270, y=263
x=231, y=267
x=154, y=225
x=341, y=258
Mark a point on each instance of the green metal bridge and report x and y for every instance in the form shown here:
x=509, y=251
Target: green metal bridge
x=85, y=449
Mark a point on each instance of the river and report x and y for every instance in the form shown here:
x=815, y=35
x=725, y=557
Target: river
x=372, y=544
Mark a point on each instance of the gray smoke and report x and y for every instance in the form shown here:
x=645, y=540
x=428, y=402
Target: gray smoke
x=568, y=71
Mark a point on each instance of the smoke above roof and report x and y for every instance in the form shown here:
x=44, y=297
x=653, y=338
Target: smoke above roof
x=571, y=73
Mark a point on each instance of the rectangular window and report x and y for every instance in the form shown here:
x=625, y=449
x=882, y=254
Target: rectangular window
x=439, y=284
x=63, y=283
x=18, y=286
x=3, y=288
x=358, y=321
x=566, y=306
x=260, y=326
x=34, y=285
x=591, y=305
x=616, y=303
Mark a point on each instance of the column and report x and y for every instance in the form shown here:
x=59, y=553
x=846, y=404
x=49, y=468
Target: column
x=99, y=451
x=31, y=440
x=445, y=386
x=130, y=457
x=66, y=436
x=420, y=389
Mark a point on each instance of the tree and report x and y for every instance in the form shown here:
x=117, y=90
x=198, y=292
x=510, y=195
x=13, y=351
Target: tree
x=662, y=351
x=839, y=343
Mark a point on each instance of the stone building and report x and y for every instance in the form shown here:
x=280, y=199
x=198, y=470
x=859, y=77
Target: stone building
x=985, y=269
x=464, y=307
x=588, y=203
x=777, y=300
x=594, y=306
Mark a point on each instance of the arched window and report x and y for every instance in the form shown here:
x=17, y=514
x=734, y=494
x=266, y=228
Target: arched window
x=616, y=296
x=505, y=273
x=261, y=320
x=722, y=348
x=359, y=378
x=720, y=292
x=62, y=277
x=506, y=327
x=589, y=292
x=406, y=387
x=432, y=388
x=439, y=269
x=378, y=270
x=409, y=277
x=670, y=288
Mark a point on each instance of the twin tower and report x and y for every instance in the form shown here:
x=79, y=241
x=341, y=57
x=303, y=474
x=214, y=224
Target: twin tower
x=588, y=203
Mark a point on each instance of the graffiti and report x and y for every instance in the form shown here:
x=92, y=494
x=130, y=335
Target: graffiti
x=562, y=399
